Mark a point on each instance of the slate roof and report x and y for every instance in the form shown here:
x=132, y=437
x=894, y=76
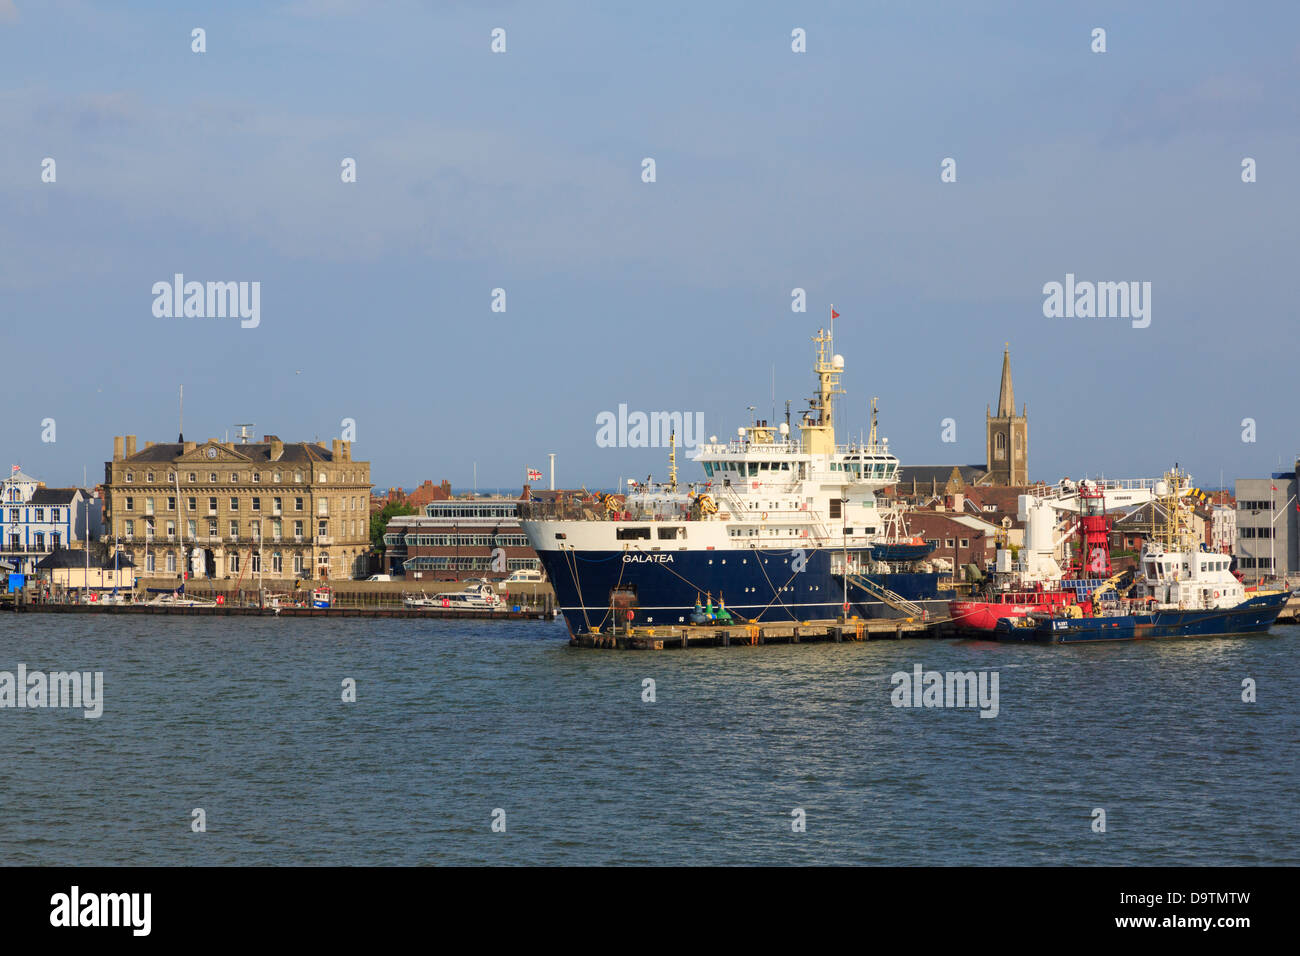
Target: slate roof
x=76, y=558
x=54, y=496
x=256, y=452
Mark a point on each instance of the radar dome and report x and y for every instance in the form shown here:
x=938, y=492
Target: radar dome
x=741, y=431
x=837, y=361
x=1162, y=489
x=713, y=439
x=785, y=428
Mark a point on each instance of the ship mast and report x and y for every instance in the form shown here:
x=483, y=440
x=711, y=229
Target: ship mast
x=818, y=428
x=672, y=460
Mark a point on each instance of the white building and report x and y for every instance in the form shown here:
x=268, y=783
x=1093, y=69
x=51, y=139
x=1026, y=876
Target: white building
x=35, y=520
x=1223, y=529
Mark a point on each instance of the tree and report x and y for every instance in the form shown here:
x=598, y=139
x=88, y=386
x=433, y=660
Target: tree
x=379, y=522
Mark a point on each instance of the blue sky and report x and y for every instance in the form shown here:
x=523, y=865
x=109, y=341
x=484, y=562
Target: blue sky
x=522, y=171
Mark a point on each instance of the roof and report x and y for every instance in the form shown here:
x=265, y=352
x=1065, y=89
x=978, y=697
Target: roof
x=76, y=558
x=54, y=496
x=19, y=476
x=300, y=452
x=928, y=474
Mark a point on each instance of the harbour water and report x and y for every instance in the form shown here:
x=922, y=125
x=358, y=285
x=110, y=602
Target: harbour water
x=243, y=717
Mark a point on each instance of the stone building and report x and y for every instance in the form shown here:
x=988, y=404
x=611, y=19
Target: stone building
x=216, y=509
x=1006, y=448
x=1007, y=435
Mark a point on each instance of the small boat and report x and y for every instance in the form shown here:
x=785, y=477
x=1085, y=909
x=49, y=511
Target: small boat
x=322, y=597
x=478, y=596
x=983, y=615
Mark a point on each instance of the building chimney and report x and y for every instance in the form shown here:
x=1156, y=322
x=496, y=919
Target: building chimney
x=147, y=444
x=130, y=445
x=117, y=447
x=189, y=446
x=336, y=449
x=277, y=448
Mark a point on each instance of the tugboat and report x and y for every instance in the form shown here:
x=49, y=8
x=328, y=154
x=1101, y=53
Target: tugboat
x=1180, y=590
x=792, y=526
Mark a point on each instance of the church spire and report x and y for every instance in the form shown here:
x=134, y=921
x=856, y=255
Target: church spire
x=1006, y=395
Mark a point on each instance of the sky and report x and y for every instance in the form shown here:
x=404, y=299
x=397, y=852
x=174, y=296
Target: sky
x=774, y=170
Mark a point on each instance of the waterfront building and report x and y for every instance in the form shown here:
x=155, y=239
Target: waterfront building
x=460, y=537
x=36, y=521
x=268, y=509
x=72, y=571
x=1268, y=524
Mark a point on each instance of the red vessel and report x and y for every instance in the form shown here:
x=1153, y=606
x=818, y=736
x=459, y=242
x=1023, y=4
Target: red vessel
x=983, y=615
x=1090, y=566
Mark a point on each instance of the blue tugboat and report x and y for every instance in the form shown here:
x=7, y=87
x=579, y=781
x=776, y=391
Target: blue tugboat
x=1180, y=590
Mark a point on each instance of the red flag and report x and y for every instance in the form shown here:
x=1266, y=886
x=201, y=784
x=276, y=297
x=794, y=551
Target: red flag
x=834, y=314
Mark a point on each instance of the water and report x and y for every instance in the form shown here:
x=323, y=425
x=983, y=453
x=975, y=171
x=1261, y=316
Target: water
x=243, y=717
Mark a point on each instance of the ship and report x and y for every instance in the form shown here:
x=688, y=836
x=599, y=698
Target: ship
x=1028, y=580
x=1179, y=589
x=781, y=527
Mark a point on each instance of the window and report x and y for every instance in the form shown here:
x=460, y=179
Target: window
x=171, y=561
x=212, y=527
x=234, y=477
x=234, y=504
x=234, y=531
x=275, y=477
x=171, y=529
x=947, y=542
x=149, y=562
x=323, y=529
x=148, y=506
x=194, y=477
x=965, y=542
x=232, y=563
x=633, y=534
x=256, y=504
x=171, y=503
x=192, y=504
x=130, y=477
x=297, y=504
x=297, y=531
x=297, y=564
x=836, y=506
x=322, y=478
x=212, y=505
x=255, y=565
x=129, y=527
x=40, y=514
x=275, y=506
x=54, y=514
x=275, y=529
x=149, y=477
x=257, y=477
x=297, y=477
x=212, y=477
x=277, y=562
x=191, y=528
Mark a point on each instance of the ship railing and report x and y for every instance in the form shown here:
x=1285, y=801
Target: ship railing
x=1068, y=486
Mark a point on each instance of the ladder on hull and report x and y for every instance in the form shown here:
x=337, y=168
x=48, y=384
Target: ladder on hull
x=882, y=593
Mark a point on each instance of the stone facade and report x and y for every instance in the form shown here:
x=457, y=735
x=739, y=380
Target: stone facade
x=289, y=510
x=1007, y=435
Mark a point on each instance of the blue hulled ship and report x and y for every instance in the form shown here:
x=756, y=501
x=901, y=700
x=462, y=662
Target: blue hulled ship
x=1179, y=589
x=782, y=527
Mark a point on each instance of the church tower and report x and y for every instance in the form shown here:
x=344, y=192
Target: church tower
x=1007, y=434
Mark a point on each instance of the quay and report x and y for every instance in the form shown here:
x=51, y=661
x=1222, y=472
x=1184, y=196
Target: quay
x=754, y=635
x=234, y=610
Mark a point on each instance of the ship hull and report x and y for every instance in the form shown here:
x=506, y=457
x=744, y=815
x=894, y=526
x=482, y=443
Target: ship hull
x=984, y=615
x=758, y=585
x=1254, y=616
